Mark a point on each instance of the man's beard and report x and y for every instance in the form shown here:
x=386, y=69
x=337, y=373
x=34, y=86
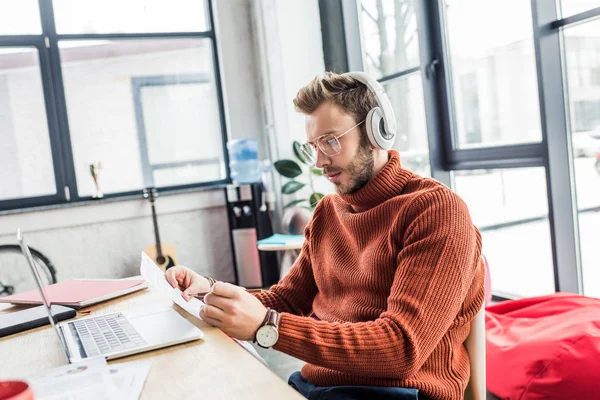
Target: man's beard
x=360, y=169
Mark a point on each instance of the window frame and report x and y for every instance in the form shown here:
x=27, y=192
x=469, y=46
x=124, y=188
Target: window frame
x=554, y=152
x=56, y=110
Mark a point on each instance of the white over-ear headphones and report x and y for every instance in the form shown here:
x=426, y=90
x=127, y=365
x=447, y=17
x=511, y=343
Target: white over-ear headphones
x=380, y=122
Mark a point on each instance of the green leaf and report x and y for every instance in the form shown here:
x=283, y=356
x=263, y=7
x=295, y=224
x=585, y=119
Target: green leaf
x=288, y=168
x=315, y=198
x=298, y=153
x=316, y=171
x=292, y=187
x=293, y=203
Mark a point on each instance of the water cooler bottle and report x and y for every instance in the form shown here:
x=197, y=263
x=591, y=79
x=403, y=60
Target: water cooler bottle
x=249, y=221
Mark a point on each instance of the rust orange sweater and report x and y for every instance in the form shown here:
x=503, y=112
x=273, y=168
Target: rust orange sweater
x=385, y=287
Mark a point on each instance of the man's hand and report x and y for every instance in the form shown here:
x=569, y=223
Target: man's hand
x=189, y=282
x=233, y=310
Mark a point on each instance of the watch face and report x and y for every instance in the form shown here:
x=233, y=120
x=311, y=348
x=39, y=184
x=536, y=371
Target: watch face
x=267, y=336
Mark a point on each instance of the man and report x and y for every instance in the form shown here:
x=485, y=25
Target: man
x=381, y=298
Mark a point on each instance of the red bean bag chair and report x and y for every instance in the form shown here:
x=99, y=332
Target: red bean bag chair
x=544, y=348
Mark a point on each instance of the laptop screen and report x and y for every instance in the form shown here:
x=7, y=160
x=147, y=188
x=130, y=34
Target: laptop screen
x=36, y=275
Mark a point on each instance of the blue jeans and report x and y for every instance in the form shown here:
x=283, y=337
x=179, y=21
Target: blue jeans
x=313, y=392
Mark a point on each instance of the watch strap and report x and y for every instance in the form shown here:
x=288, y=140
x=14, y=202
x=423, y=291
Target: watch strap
x=272, y=318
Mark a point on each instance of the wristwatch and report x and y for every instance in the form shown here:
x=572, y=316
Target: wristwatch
x=268, y=333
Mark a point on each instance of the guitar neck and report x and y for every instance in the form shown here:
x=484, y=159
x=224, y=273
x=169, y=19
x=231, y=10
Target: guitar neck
x=156, y=235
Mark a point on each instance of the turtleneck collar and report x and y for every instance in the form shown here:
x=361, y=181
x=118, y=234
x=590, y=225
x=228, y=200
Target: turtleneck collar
x=388, y=183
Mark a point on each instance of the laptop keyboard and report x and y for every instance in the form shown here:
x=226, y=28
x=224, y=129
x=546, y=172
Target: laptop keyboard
x=107, y=334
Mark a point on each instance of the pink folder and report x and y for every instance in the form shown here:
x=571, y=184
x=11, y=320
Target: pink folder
x=79, y=292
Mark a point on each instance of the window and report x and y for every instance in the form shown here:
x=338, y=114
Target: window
x=586, y=115
x=26, y=168
x=20, y=17
x=494, y=73
x=571, y=7
x=131, y=88
x=470, y=108
x=389, y=43
x=584, y=103
x=510, y=208
x=406, y=96
x=389, y=36
x=498, y=133
x=595, y=76
x=163, y=127
x=131, y=16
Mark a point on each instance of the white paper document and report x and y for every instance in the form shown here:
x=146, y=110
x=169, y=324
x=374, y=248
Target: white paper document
x=91, y=379
x=88, y=380
x=156, y=277
x=250, y=349
x=129, y=378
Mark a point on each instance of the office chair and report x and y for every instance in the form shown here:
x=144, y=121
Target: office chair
x=475, y=344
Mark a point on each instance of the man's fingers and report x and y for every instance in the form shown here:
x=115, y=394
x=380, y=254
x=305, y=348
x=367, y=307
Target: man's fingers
x=171, y=275
x=210, y=313
x=210, y=321
x=225, y=289
x=217, y=301
x=187, y=294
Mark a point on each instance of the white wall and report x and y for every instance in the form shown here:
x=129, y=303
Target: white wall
x=105, y=239
x=289, y=44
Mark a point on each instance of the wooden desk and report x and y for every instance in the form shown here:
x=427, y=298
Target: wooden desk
x=211, y=368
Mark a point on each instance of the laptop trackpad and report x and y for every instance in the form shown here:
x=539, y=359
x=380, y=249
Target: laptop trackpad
x=163, y=326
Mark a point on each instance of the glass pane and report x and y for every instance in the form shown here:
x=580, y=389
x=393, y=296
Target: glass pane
x=493, y=72
x=510, y=208
x=20, y=17
x=582, y=53
x=406, y=96
x=389, y=36
x=572, y=7
x=188, y=173
x=131, y=16
x=26, y=168
x=138, y=105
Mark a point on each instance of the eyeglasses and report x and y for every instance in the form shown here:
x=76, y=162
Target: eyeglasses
x=327, y=143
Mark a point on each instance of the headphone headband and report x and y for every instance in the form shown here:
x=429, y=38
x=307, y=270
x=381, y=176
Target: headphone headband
x=389, y=119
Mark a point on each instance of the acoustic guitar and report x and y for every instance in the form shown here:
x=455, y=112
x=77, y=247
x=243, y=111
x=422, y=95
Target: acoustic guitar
x=163, y=254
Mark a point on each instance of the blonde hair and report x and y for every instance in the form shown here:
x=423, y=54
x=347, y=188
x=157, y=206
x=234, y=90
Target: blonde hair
x=346, y=92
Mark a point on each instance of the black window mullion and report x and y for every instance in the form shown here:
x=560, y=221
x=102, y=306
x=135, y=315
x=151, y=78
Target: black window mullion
x=560, y=178
x=219, y=90
x=399, y=74
x=52, y=117
x=438, y=66
x=49, y=31
x=20, y=40
x=434, y=115
x=577, y=18
x=509, y=156
x=138, y=36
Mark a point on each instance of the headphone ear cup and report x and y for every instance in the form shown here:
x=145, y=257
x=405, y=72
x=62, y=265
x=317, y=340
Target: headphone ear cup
x=375, y=130
x=372, y=129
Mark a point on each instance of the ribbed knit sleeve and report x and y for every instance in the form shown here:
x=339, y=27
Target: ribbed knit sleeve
x=436, y=266
x=296, y=291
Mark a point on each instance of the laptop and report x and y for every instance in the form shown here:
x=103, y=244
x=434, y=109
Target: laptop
x=117, y=334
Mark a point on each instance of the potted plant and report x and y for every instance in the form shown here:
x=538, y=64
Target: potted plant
x=293, y=170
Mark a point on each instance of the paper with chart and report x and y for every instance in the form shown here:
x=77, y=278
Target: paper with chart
x=91, y=379
x=156, y=277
